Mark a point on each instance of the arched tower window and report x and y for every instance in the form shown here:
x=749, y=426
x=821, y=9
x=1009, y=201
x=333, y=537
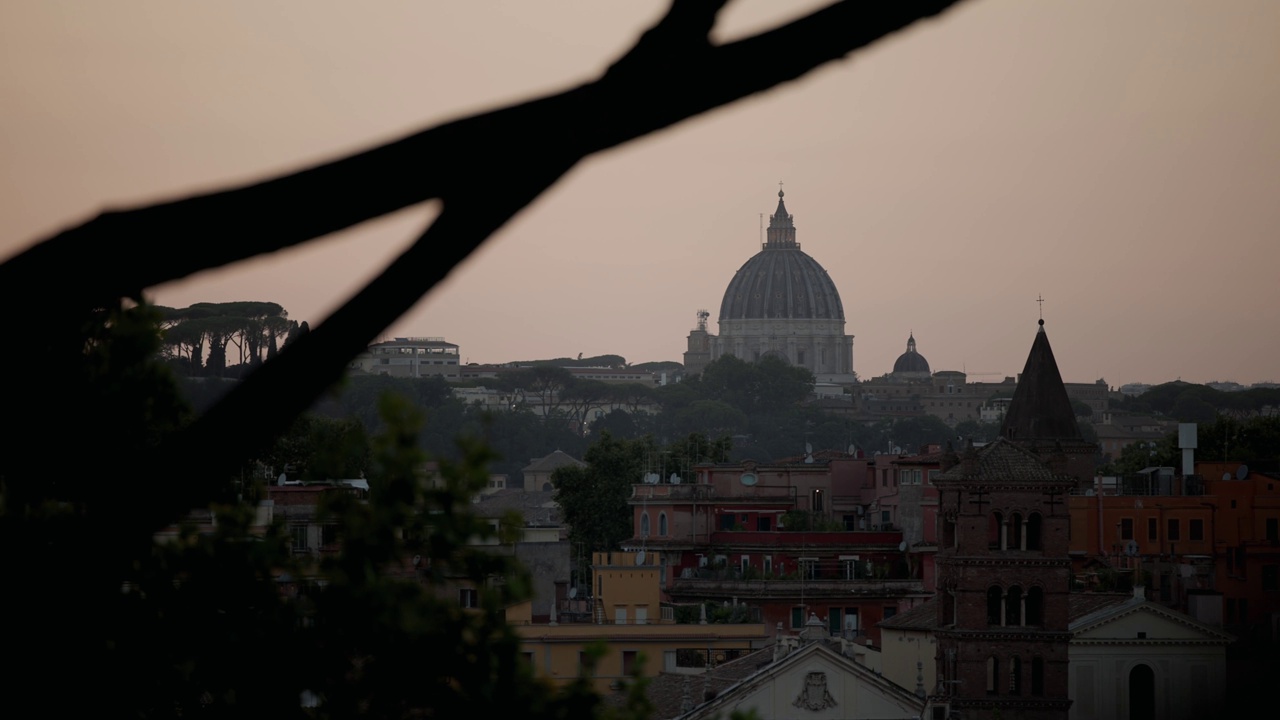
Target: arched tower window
x=1142, y=693
x=1013, y=607
x=995, y=532
x=644, y=525
x=1016, y=539
x=1035, y=606
x=1015, y=675
x=1037, y=675
x=993, y=676
x=1034, y=528
x=948, y=532
x=993, y=605
x=662, y=524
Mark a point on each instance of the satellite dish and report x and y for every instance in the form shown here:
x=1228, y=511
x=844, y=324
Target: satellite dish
x=1226, y=476
x=573, y=593
x=675, y=479
x=640, y=558
x=853, y=450
x=1242, y=472
x=280, y=480
x=808, y=448
x=1131, y=548
x=902, y=546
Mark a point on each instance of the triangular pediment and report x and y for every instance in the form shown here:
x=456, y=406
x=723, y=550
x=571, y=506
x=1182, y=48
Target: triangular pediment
x=1140, y=622
x=813, y=683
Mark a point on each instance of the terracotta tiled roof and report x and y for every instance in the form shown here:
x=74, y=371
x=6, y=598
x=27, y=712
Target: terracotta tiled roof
x=921, y=617
x=1082, y=604
x=673, y=694
x=555, y=460
x=1001, y=461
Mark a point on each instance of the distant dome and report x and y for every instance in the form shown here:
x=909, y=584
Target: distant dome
x=781, y=281
x=911, y=361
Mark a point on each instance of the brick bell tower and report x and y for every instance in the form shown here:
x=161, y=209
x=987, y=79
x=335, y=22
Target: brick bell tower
x=1003, y=569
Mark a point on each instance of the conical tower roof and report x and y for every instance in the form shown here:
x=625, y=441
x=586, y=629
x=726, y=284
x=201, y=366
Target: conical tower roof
x=1040, y=409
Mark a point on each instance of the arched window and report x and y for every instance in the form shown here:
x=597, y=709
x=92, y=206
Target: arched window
x=1013, y=607
x=1037, y=675
x=993, y=605
x=993, y=676
x=1142, y=693
x=1015, y=533
x=948, y=532
x=1034, y=527
x=644, y=525
x=995, y=532
x=1015, y=675
x=1035, y=606
x=662, y=524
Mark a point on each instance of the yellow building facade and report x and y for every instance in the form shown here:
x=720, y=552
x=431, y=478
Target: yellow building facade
x=638, y=632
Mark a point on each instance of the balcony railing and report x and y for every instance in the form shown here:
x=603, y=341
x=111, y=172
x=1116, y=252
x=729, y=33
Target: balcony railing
x=791, y=585
x=796, y=538
x=1147, y=485
x=665, y=491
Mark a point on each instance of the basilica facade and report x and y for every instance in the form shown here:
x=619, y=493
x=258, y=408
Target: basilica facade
x=781, y=303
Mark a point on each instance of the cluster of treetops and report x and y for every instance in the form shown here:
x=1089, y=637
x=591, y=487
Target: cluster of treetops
x=760, y=409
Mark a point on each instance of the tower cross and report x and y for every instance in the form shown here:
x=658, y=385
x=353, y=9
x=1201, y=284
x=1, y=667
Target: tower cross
x=1040, y=299
x=1053, y=500
x=980, y=499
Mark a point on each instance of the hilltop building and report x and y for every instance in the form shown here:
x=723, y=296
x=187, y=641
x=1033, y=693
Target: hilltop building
x=411, y=357
x=781, y=303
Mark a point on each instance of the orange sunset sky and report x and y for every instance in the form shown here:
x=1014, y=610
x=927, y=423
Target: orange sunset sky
x=1120, y=158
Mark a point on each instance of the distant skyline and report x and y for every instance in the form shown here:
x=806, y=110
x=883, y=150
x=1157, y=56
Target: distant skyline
x=1120, y=159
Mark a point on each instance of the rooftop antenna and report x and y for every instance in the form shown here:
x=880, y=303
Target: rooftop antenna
x=761, y=229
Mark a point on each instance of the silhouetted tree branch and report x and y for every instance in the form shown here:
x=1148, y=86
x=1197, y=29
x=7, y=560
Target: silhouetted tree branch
x=485, y=168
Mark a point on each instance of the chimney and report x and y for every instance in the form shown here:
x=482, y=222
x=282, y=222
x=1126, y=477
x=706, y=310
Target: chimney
x=969, y=460
x=1139, y=593
x=949, y=458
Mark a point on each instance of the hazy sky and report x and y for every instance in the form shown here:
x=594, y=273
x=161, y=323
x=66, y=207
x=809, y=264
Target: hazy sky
x=1122, y=159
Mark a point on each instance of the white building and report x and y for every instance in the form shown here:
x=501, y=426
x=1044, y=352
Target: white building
x=410, y=357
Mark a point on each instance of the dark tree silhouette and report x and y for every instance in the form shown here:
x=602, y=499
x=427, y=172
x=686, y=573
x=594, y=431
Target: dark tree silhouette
x=672, y=73
x=99, y=457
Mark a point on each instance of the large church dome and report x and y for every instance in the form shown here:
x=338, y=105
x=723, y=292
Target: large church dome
x=781, y=281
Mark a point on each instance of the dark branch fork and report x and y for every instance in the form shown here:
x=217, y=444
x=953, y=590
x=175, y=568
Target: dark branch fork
x=485, y=168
